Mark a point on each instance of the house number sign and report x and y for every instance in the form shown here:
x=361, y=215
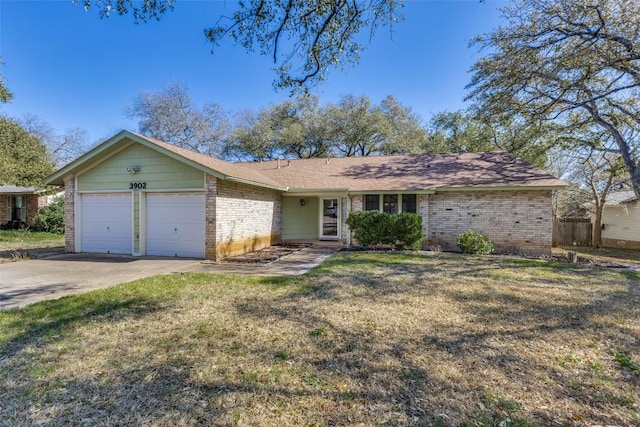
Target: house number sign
x=137, y=185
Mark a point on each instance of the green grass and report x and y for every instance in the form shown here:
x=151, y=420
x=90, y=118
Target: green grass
x=23, y=244
x=364, y=339
x=10, y=237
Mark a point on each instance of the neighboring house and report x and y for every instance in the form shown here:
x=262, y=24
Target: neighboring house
x=621, y=221
x=20, y=204
x=137, y=195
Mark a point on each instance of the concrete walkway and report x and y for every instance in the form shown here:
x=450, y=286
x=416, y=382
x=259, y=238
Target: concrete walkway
x=26, y=282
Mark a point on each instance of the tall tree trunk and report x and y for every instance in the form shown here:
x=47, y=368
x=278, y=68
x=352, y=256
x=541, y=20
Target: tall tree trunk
x=596, y=238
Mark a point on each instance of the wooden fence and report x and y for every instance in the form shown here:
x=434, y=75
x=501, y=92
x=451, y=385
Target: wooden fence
x=572, y=232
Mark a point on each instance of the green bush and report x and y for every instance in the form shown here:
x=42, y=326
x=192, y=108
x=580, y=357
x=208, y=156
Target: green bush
x=407, y=230
x=51, y=217
x=475, y=243
x=373, y=228
x=370, y=228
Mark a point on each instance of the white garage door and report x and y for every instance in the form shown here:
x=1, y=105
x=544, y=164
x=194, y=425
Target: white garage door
x=106, y=223
x=175, y=224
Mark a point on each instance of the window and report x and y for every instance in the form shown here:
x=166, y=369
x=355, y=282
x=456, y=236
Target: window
x=390, y=204
x=409, y=203
x=17, y=209
x=371, y=202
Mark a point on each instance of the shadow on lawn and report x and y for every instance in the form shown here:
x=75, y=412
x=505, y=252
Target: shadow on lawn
x=57, y=317
x=407, y=377
x=504, y=313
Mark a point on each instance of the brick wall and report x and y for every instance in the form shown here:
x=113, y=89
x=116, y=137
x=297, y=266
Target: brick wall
x=210, y=188
x=356, y=202
x=4, y=203
x=246, y=218
x=517, y=221
x=69, y=214
x=34, y=204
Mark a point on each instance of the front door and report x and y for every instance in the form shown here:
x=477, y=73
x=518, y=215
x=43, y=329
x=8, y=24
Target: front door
x=329, y=228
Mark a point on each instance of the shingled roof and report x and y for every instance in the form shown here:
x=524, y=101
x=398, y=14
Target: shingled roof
x=356, y=174
x=621, y=198
x=408, y=172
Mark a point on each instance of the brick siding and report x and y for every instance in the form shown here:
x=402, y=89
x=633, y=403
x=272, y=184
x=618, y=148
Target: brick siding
x=69, y=214
x=517, y=221
x=4, y=203
x=240, y=218
x=33, y=203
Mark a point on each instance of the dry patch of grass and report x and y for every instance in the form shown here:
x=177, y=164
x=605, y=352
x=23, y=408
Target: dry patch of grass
x=365, y=339
x=629, y=256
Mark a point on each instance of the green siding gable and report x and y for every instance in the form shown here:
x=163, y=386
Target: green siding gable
x=300, y=222
x=157, y=170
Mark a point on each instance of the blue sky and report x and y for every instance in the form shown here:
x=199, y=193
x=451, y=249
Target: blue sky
x=73, y=69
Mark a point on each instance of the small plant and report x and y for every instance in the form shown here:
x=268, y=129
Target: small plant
x=475, y=243
x=319, y=332
x=20, y=255
x=282, y=355
x=624, y=360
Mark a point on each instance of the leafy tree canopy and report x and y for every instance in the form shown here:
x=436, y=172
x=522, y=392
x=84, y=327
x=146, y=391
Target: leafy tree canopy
x=464, y=132
x=304, y=38
x=570, y=61
x=25, y=159
x=303, y=129
x=5, y=93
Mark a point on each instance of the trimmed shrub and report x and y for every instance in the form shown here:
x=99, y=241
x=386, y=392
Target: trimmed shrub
x=370, y=228
x=407, y=230
x=475, y=243
x=51, y=217
x=373, y=228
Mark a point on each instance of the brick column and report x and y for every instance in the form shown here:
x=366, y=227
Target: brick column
x=211, y=191
x=423, y=210
x=69, y=214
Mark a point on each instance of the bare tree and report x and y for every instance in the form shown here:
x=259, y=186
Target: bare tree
x=64, y=147
x=171, y=116
x=596, y=175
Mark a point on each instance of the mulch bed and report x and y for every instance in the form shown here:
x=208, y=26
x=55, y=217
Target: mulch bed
x=269, y=254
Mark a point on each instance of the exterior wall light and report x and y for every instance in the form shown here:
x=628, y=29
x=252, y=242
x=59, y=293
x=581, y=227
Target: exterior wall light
x=302, y=202
x=133, y=169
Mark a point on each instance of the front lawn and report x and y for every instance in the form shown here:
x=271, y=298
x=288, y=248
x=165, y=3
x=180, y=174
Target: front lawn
x=365, y=339
x=23, y=243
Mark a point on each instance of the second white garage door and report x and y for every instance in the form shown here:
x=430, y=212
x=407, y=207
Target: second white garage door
x=175, y=224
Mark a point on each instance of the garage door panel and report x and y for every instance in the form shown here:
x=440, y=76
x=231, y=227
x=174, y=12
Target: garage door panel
x=175, y=225
x=106, y=223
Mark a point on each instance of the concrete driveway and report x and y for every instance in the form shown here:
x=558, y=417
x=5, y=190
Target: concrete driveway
x=26, y=282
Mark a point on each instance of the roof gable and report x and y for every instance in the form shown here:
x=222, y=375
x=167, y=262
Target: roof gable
x=210, y=165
